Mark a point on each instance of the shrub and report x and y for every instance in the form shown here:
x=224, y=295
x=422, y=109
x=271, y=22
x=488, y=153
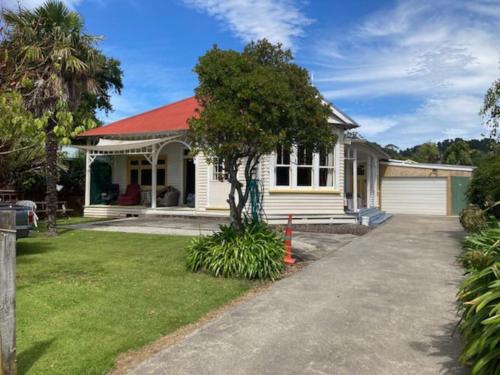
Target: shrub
x=481, y=249
x=484, y=188
x=253, y=252
x=479, y=302
x=473, y=218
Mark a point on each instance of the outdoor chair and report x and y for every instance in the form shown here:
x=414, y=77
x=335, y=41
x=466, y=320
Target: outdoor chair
x=168, y=196
x=131, y=197
x=111, y=193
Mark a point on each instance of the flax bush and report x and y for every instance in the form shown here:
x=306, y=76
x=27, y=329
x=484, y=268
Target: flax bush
x=254, y=251
x=479, y=301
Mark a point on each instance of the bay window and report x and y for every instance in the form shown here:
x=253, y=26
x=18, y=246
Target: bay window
x=301, y=168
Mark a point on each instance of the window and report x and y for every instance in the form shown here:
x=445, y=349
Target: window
x=326, y=168
x=218, y=172
x=140, y=171
x=304, y=167
x=282, y=167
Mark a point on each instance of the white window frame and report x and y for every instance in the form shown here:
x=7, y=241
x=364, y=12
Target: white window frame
x=315, y=171
x=332, y=167
x=218, y=172
x=289, y=166
x=309, y=166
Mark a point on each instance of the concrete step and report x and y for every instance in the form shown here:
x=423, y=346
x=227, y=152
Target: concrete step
x=373, y=217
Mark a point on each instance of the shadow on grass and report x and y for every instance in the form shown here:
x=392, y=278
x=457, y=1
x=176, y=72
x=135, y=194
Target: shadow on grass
x=27, y=358
x=32, y=248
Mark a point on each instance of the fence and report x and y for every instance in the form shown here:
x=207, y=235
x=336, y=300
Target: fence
x=7, y=293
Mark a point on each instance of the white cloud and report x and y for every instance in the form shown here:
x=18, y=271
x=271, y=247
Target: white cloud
x=443, y=54
x=277, y=20
x=438, y=118
x=31, y=4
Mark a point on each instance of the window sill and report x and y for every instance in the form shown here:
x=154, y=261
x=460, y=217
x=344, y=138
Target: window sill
x=303, y=191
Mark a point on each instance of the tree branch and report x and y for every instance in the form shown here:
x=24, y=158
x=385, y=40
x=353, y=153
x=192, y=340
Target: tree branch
x=17, y=149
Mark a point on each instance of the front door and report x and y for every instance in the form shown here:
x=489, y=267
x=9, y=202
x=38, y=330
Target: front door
x=190, y=181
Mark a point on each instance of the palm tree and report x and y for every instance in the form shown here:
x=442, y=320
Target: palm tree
x=54, y=64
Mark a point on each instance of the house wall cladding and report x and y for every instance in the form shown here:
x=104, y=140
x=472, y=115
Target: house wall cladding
x=281, y=203
x=201, y=194
x=296, y=203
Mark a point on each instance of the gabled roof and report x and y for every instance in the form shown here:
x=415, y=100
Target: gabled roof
x=340, y=118
x=173, y=117
x=170, y=117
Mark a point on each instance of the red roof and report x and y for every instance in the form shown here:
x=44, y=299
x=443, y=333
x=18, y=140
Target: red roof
x=170, y=117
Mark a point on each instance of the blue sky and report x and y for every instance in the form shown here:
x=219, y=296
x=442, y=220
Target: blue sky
x=408, y=71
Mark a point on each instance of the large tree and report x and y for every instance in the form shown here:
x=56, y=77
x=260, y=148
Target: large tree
x=251, y=102
x=46, y=55
x=427, y=153
x=457, y=152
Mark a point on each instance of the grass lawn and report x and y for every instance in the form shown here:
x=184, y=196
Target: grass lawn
x=84, y=297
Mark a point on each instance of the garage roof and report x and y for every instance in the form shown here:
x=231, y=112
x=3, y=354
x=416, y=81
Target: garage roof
x=413, y=164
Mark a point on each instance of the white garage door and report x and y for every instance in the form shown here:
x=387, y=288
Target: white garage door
x=408, y=195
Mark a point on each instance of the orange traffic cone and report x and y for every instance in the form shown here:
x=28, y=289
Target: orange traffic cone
x=288, y=242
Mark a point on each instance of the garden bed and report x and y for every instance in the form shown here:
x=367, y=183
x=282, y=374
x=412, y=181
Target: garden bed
x=354, y=229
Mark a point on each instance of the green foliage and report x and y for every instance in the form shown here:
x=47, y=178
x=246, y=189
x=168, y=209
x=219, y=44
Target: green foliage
x=253, y=252
x=484, y=188
x=473, y=218
x=479, y=301
x=427, y=153
x=46, y=55
x=73, y=176
x=481, y=248
x=73, y=78
x=253, y=101
x=491, y=109
x=458, y=153
x=21, y=151
x=452, y=151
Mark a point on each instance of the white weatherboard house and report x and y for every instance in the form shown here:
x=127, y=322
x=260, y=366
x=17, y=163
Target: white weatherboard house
x=150, y=152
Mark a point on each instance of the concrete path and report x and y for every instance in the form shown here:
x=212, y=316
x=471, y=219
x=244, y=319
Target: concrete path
x=382, y=304
x=189, y=226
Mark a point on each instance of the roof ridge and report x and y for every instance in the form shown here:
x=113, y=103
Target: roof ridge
x=149, y=111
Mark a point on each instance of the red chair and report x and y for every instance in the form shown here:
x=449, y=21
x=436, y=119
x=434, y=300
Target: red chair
x=131, y=197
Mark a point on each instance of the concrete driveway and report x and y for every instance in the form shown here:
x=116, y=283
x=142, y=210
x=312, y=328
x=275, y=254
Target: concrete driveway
x=382, y=304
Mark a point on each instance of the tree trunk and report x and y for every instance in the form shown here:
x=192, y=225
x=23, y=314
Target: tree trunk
x=236, y=210
x=51, y=148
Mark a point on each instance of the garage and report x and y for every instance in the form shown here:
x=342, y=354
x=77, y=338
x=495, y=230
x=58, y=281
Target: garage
x=407, y=187
x=415, y=195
